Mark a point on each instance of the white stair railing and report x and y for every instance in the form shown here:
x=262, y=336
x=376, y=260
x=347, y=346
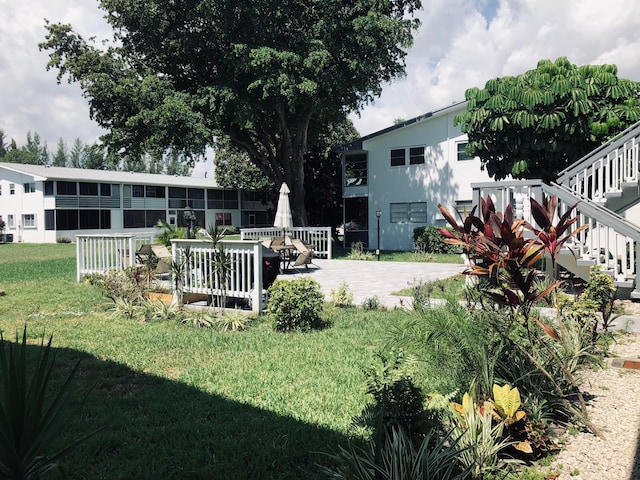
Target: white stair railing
x=608, y=169
x=610, y=240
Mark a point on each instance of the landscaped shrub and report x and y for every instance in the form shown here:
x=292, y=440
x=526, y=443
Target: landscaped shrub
x=32, y=410
x=397, y=401
x=342, y=296
x=430, y=240
x=295, y=304
x=358, y=252
x=396, y=457
x=63, y=240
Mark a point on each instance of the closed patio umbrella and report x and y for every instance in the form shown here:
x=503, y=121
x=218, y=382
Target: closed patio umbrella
x=283, y=218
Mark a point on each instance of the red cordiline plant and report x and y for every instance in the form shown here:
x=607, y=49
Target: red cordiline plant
x=501, y=252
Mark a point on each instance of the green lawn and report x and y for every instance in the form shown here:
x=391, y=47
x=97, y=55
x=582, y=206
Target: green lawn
x=179, y=402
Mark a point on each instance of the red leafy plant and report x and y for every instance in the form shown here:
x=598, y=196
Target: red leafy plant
x=505, y=250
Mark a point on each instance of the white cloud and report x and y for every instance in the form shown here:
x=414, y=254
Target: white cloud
x=462, y=43
x=471, y=49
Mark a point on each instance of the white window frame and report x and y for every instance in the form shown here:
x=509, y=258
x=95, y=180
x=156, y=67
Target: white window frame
x=12, y=189
x=29, y=220
x=11, y=221
x=461, y=154
x=30, y=187
x=408, y=212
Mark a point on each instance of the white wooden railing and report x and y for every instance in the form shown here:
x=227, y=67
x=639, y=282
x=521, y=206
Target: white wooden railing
x=319, y=237
x=610, y=241
x=101, y=253
x=607, y=170
x=198, y=272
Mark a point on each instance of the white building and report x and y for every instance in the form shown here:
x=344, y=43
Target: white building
x=404, y=172
x=41, y=204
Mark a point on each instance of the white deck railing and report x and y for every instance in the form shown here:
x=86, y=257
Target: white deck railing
x=608, y=169
x=319, y=237
x=101, y=253
x=198, y=272
x=610, y=241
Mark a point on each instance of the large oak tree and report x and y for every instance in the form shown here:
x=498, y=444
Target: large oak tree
x=535, y=124
x=259, y=71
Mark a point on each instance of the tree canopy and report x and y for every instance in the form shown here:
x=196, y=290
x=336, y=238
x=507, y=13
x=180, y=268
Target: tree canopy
x=535, y=124
x=259, y=72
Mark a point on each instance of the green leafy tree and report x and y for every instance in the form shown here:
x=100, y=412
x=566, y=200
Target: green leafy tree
x=3, y=145
x=259, y=72
x=535, y=124
x=60, y=157
x=322, y=172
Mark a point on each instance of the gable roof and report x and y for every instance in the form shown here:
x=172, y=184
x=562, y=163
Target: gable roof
x=42, y=173
x=357, y=143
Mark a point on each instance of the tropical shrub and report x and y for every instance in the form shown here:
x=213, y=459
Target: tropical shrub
x=358, y=252
x=295, y=304
x=371, y=303
x=397, y=458
x=397, y=401
x=430, y=240
x=32, y=412
x=342, y=296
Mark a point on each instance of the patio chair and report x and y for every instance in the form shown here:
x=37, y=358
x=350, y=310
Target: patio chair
x=305, y=254
x=266, y=241
x=163, y=255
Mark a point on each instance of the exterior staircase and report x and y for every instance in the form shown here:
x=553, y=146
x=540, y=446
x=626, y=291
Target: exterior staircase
x=605, y=186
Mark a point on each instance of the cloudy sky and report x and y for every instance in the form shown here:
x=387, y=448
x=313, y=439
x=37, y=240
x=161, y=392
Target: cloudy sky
x=461, y=44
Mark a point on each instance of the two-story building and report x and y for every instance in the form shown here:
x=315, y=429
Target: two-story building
x=403, y=172
x=41, y=204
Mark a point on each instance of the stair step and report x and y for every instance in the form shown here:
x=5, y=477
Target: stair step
x=613, y=194
x=624, y=283
x=585, y=262
x=628, y=184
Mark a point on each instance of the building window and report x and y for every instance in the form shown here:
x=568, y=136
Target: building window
x=48, y=188
x=12, y=189
x=0, y=189
x=223, y=219
x=398, y=157
x=88, y=189
x=67, y=188
x=355, y=170
x=155, y=191
x=464, y=207
x=105, y=189
x=11, y=221
x=49, y=219
x=225, y=199
x=29, y=187
x=29, y=220
x=137, y=191
x=416, y=155
x=462, y=151
x=409, y=212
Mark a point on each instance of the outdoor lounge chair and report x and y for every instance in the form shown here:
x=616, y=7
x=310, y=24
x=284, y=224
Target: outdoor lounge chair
x=163, y=255
x=305, y=254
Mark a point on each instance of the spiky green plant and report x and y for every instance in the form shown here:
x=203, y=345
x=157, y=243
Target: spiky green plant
x=32, y=414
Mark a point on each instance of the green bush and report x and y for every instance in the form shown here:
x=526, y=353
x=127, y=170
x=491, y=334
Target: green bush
x=63, y=240
x=342, y=296
x=430, y=240
x=295, y=304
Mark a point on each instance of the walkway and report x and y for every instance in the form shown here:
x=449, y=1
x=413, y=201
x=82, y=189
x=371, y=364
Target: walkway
x=367, y=279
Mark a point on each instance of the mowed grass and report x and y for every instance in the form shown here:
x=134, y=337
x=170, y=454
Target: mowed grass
x=173, y=401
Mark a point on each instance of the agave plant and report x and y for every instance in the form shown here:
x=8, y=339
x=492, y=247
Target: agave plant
x=31, y=415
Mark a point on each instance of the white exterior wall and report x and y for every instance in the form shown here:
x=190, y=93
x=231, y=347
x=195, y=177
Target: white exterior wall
x=20, y=204
x=441, y=179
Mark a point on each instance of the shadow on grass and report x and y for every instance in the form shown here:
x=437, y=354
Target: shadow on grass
x=155, y=428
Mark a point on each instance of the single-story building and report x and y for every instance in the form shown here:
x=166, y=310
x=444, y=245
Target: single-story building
x=41, y=204
x=403, y=172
